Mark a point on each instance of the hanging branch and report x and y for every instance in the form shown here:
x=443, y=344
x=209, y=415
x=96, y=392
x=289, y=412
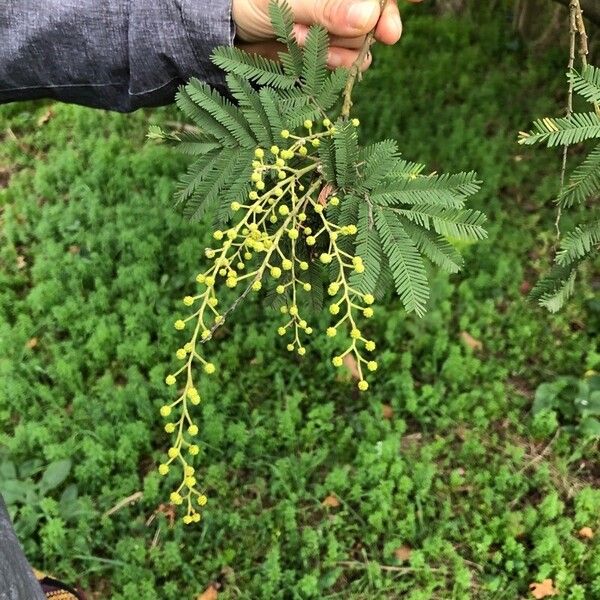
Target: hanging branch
x=576, y=28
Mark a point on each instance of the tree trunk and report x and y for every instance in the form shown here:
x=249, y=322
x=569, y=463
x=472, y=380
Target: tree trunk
x=591, y=9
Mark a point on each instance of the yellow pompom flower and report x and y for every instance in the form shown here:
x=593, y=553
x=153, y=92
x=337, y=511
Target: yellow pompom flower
x=337, y=361
x=301, y=351
x=281, y=330
x=231, y=282
x=189, y=470
x=173, y=452
x=310, y=240
x=257, y=286
x=193, y=449
x=209, y=368
x=355, y=122
x=187, y=519
x=202, y=500
x=333, y=289
x=170, y=379
x=293, y=234
x=193, y=429
x=355, y=333
x=306, y=287
x=368, y=312
x=190, y=481
x=369, y=298
x=308, y=124
x=196, y=517
x=188, y=300
x=181, y=354
x=363, y=385
x=287, y=264
x=276, y=272
x=176, y=498
x=303, y=151
x=280, y=289
x=170, y=427
x=285, y=134
x=331, y=331
x=316, y=143
x=235, y=206
x=165, y=410
x=318, y=208
x=304, y=266
x=334, y=309
x=370, y=345
x=293, y=310
x=326, y=122
x=163, y=469
x=200, y=277
x=290, y=347
x=209, y=281
x=372, y=365
x=275, y=150
x=259, y=153
x=179, y=324
x=325, y=258
x=284, y=210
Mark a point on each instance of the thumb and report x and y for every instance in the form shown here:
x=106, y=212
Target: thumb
x=348, y=18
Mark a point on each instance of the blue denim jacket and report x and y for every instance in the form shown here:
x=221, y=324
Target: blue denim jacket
x=114, y=54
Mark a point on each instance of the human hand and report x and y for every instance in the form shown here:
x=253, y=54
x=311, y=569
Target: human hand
x=348, y=23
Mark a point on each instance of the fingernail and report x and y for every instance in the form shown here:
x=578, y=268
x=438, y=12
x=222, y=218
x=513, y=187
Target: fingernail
x=361, y=14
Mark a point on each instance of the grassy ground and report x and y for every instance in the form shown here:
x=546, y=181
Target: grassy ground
x=446, y=485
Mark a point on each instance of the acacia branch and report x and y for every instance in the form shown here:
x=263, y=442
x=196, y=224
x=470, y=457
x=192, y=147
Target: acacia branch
x=590, y=8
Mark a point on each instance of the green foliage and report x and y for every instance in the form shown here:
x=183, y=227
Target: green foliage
x=457, y=473
x=394, y=190
x=583, y=241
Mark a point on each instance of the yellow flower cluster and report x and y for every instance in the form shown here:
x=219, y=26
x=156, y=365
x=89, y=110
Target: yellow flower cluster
x=278, y=229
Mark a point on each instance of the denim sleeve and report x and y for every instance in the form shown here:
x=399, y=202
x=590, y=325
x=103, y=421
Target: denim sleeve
x=17, y=581
x=114, y=54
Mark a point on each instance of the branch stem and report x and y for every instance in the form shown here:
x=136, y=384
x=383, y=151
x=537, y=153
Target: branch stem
x=355, y=70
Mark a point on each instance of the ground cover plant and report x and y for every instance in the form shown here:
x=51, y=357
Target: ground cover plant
x=457, y=476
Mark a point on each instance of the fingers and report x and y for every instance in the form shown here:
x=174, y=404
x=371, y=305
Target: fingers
x=355, y=43
x=347, y=18
x=337, y=56
x=389, y=27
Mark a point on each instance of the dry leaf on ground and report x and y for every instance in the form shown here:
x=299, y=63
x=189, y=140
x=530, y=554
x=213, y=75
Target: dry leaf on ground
x=387, y=412
x=403, y=553
x=545, y=589
x=331, y=501
x=470, y=341
x=210, y=593
x=586, y=532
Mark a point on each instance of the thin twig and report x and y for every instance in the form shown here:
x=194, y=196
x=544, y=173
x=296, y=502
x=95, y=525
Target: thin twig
x=123, y=503
x=355, y=70
x=355, y=564
x=576, y=28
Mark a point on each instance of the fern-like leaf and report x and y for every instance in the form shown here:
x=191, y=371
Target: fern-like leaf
x=579, y=243
x=587, y=83
x=563, y=131
x=584, y=183
x=253, y=67
x=314, y=68
x=406, y=265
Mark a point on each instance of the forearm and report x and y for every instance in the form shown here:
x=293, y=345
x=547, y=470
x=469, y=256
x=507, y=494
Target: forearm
x=17, y=581
x=115, y=54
